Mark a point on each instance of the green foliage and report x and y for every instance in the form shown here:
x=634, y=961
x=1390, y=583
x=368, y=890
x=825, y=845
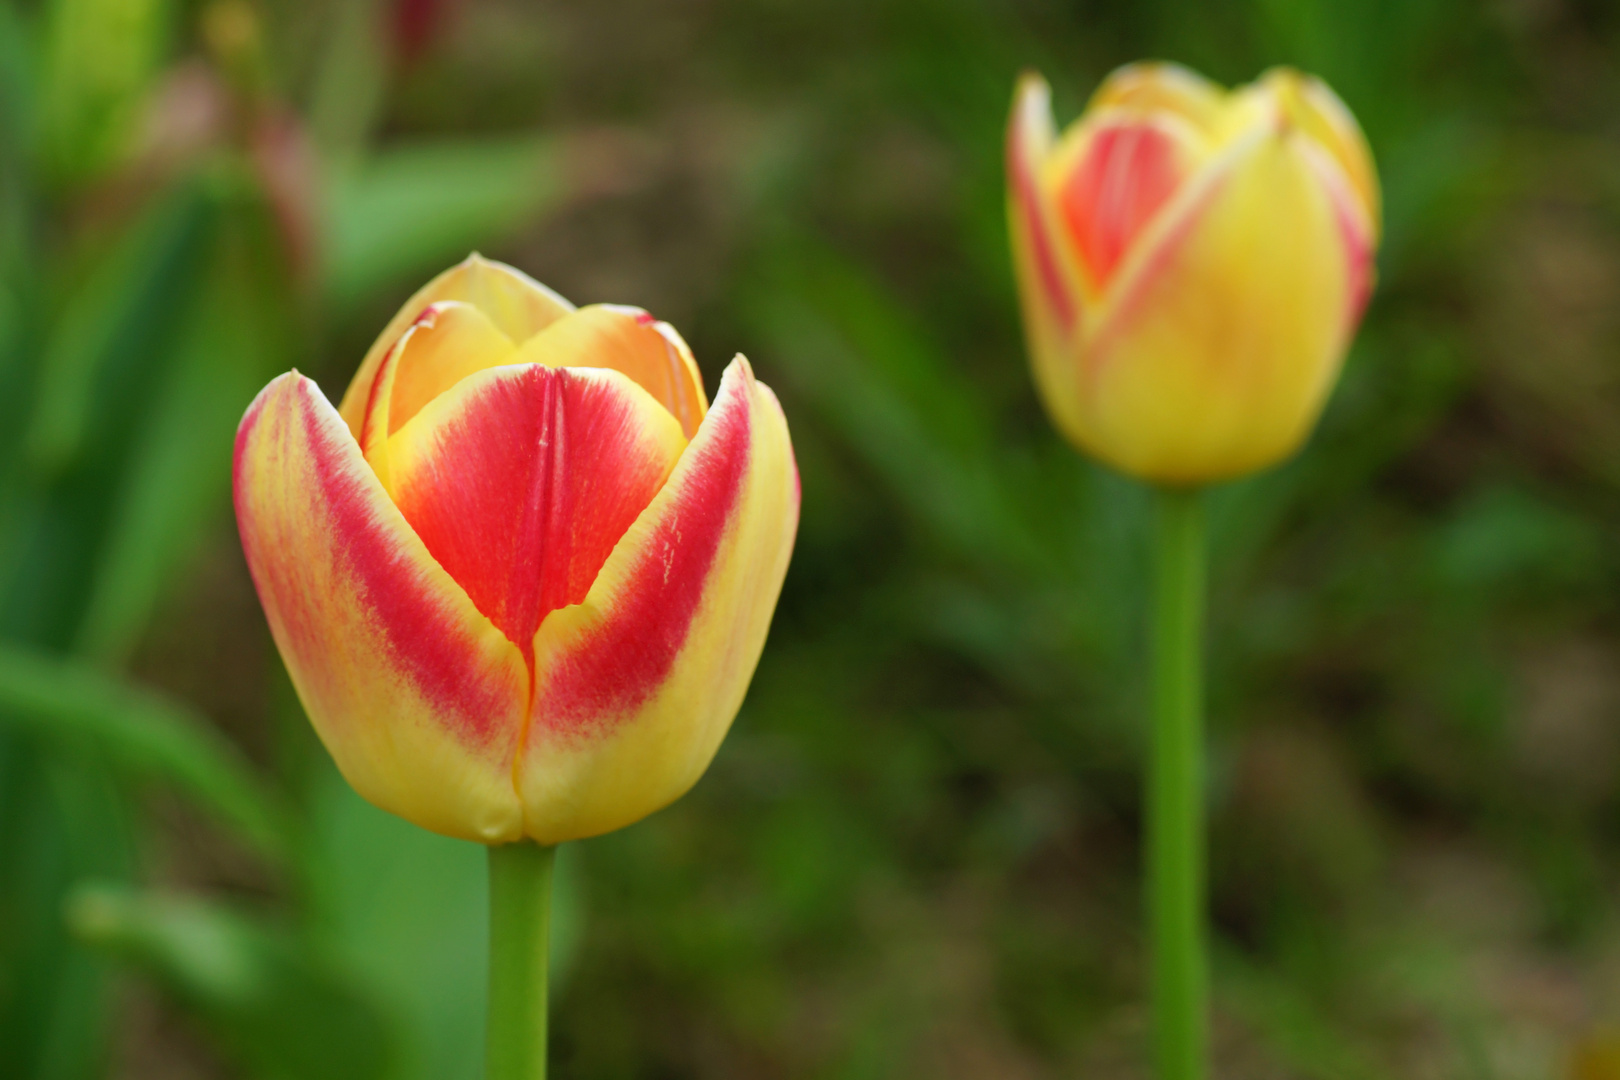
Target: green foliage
x=284, y=1014
x=916, y=853
x=78, y=710
x=98, y=60
x=408, y=213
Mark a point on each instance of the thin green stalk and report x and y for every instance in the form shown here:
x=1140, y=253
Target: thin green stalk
x=519, y=947
x=1175, y=810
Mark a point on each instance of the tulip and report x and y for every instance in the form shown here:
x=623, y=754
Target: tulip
x=1192, y=264
x=522, y=575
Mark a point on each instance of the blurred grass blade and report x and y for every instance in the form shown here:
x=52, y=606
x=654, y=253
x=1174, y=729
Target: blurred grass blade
x=896, y=397
x=272, y=1000
x=100, y=58
x=352, y=78
x=410, y=212
x=139, y=733
x=105, y=342
x=235, y=336
x=16, y=134
x=61, y=820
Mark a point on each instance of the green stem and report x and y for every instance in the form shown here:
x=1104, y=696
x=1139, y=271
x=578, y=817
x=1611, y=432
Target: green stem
x=519, y=944
x=1175, y=811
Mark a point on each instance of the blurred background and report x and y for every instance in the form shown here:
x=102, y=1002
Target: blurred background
x=916, y=854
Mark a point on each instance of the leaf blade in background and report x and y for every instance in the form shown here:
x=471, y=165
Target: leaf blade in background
x=60, y=820
x=140, y=733
x=276, y=1002
x=100, y=58
x=109, y=336
x=408, y=212
x=235, y=337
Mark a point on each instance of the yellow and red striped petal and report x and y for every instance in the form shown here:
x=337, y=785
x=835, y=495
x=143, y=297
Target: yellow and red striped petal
x=1310, y=103
x=629, y=340
x=1112, y=180
x=420, y=698
x=1224, y=332
x=636, y=686
x=448, y=341
x=1049, y=285
x=515, y=303
x=521, y=479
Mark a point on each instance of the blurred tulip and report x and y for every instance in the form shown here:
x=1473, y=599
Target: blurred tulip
x=1192, y=263
x=522, y=576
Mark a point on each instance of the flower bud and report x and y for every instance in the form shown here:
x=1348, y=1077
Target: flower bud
x=522, y=575
x=1192, y=264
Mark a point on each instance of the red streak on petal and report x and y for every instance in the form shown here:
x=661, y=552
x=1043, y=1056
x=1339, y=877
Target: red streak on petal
x=1358, y=248
x=1025, y=195
x=415, y=633
x=1126, y=174
x=1140, y=285
x=529, y=487
x=630, y=655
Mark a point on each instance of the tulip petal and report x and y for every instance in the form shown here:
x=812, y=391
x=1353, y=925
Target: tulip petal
x=636, y=686
x=1223, y=331
x=420, y=699
x=1156, y=86
x=1310, y=103
x=521, y=479
x=448, y=341
x=1049, y=285
x=1115, y=179
x=629, y=340
x=1030, y=136
x=519, y=307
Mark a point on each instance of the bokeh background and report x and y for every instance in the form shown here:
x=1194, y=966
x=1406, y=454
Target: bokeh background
x=916, y=854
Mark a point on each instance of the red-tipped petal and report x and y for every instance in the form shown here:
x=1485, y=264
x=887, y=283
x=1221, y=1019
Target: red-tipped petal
x=1049, y=283
x=1045, y=278
x=521, y=479
x=420, y=699
x=629, y=340
x=637, y=685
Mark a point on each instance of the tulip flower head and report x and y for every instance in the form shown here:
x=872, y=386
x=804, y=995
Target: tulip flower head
x=1192, y=264
x=522, y=575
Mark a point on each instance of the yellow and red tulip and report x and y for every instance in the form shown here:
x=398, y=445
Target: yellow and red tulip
x=1192, y=263
x=522, y=576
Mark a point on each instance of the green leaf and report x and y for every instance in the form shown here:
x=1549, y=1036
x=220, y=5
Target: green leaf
x=276, y=1002
x=234, y=338
x=112, y=333
x=100, y=59
x=412, y=211
x=61, y=820
x=140, y=733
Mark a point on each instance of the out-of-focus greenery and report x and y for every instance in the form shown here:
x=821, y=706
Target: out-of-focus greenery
x=916, y=853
